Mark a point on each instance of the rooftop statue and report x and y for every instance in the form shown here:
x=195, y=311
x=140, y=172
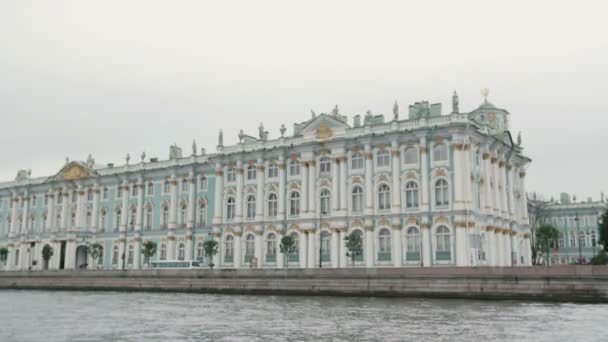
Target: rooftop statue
x=241, y=136
x=23, y=175
x=194, y=147
x=127, y=158
x=220, y=139
x=313, y=114
x=519, y=139
x=455, y=103
x=261, y=131
x=396, y=111
x=90, y=161
x=143, y=156
x=335, y=111
x=283, y=129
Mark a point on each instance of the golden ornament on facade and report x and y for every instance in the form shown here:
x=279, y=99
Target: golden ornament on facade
x=74, y=172
x=324, y=132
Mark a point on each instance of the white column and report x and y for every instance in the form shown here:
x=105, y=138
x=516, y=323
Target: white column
x=335, y=247
x=461, y=245
x=281, y=194
x=219, y=189
x=80, y=207
x=396, y=176
x=258, y=247
x=238, y=248
x=508, y=246
x=489, y=196
x=524, y=202
x=369, y=246
x=343, y=185
x=335, y=184
x=512, y=209
x=303, y=248
x=173, y=205
x=65, y=202
x=424, y=174
x=499, y=248
x=369, y=191
x=503, y=180
x=312, y=188
x=191, y=207
x=458, y=176
x=304, y=194
x=26, y=207
x=136, y=254
x=426, y=245
x=125, y=207
x=490, y=246
x=95, y=213
x=50, y=211
x=260, y=200
x=280, y=256
x=15, y=205
x=342, y=250
x=495, y=188
x=397, y=248
x=312, y=251
x=239, y=191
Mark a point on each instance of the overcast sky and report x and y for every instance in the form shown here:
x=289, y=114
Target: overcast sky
x=117, y=77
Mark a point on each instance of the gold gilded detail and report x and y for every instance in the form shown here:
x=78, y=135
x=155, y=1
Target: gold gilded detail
x=73, y=172
x=324, y=132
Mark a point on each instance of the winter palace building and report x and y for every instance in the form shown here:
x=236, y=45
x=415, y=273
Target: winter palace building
x=431, y=190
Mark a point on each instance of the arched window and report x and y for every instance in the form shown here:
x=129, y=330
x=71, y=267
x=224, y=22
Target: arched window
x=115, y=255
x=103, y=219
x=118, y=219
x=165, y=217
x=72, y=220
x=273, y=170
x=413, y=244
x=202, y=214
x=148, y=223
x=119, y=191
x=582, y=239
x=134, y=190
x=325, y=199
x=167, y=187
x=181, y=251
x=249, y=247
x=272, y=205
x=231, y=175
x=202, y=183
x=100, y=257
x=87, y=220
x=356, y=161
x=441, y=193
x=410, y=156
x=251, y=172
x=185, y=185
x=163, y=252
x=325, y=246
x=228, y=248
x=443, y=243
x=384, y=197
x=411, y=195
x=130, y=255
x=200, y=251
x=105, y=194
x=250, y=207
x=183, y=215
x=383, y=158
x=294, y=168
x=230, y=207
x=89, y=195
x=384, y=245
x=357, y=199
x=150, y=189
x=440, y=152
x=294, y=203
x=572, y=239
x=132, y=218
x=271, y=248
x=16, y=257
x=44, y=222
x=324, y=165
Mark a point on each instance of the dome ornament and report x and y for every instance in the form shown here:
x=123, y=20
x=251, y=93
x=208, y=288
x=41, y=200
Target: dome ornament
x=485, y=92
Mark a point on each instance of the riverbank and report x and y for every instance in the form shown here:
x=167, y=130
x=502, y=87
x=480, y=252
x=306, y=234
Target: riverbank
x=561, y=284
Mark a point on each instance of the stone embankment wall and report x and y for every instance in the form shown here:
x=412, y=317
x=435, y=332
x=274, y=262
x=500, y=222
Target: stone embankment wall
x=563, y=283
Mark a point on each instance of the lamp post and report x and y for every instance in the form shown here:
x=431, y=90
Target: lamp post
x=578, y=235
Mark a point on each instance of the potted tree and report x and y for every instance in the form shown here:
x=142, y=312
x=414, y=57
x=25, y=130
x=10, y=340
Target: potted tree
x=287, y=247
x=354, y=246
x=47, y=253
x=3, y=254
x=210, y=247
x=148, y=249
x=95, y=251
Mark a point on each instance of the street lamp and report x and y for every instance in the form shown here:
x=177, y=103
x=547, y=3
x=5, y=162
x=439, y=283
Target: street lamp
x=578, y=235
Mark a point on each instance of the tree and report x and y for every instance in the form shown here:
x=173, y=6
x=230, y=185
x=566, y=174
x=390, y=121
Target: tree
x=47, y=253
x=287, y=247
x=210, y=247
x=3, y=254
x=600, y=259
x=354, y=246
x=546, y=238
x=95, y=250
x=148, y=249
x=537, y=213
x=603, y=228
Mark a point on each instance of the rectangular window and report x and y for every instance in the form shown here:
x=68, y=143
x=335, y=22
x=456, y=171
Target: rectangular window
x=231, y=176
x=150, y=189
x=383, y=158
x=251, y=172
x=356, y=162
x=273, y=171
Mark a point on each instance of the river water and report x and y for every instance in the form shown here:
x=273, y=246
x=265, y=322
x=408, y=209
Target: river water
x=119, y=316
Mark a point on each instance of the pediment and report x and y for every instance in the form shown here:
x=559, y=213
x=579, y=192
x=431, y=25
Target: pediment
x=325, y=127
x=74, y=171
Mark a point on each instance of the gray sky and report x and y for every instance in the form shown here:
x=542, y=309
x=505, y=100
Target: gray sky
x=117, y=77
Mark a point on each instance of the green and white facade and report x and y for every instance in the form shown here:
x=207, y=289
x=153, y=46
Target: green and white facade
x=577, y=223
x=430, y=190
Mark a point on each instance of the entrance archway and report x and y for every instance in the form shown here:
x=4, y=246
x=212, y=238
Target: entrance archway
x=81, y=257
